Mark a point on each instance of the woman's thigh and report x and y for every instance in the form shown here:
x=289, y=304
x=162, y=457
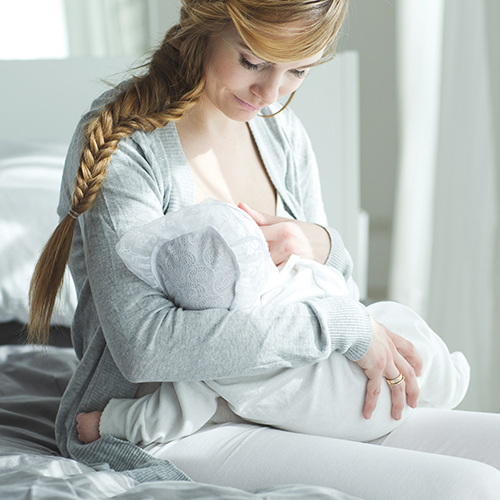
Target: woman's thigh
x=251, y=457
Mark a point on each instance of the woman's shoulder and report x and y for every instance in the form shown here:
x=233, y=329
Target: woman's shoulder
x=154, y=153
x=139, y=138
x=281, y=115
x=108, y=95
x=283, y=125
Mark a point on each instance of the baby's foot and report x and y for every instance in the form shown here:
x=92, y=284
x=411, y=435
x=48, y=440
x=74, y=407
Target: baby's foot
x=87, y=425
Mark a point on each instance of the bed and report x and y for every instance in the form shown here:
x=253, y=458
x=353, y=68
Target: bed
x=41, y=102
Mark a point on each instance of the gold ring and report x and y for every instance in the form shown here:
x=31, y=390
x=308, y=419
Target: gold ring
x=396, y=381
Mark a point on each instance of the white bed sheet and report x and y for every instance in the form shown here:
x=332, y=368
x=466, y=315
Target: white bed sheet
x=32, y=380
x=30, y=177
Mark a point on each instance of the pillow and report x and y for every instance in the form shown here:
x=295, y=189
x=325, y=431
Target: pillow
x=30, y=177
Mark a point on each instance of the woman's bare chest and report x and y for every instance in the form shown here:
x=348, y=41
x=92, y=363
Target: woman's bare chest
x=232, y=172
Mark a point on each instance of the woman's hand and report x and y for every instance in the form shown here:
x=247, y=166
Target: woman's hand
x=388, y=356
x=288, y=236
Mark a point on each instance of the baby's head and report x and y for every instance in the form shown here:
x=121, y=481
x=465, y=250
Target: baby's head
x=210, y=255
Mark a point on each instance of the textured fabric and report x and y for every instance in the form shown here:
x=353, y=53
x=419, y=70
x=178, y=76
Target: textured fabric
x=125, y=333
x=197, y=270
x=122, y=457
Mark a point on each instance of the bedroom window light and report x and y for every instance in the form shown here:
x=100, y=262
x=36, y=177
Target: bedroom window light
x=33, y=29
x=58, y=29
x=107, y=28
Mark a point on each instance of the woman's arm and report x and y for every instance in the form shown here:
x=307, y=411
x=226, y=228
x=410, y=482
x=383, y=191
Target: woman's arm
x=152, y=340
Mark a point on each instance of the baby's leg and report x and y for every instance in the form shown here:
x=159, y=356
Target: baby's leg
x=87, y=425
x=445, y=376
x=324, y=399
x=172, y=411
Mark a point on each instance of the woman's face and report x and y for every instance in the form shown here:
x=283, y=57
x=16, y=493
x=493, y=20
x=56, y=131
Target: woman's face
x=240, y=84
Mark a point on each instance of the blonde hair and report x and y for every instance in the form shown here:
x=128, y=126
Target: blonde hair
x=173, y=83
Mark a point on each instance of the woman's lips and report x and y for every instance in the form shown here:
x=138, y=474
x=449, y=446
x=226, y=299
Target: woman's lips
x=246, y=105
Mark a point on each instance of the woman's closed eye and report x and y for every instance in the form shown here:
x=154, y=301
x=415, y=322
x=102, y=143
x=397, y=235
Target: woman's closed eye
x=299, y=73
x=252, y=67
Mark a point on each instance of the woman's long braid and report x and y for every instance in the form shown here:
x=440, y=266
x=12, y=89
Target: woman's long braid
x=148, y=103
x=103, y=136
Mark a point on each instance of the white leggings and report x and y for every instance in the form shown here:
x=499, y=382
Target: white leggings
x=438, y=454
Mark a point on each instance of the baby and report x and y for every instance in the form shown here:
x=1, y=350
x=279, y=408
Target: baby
x=213, y=255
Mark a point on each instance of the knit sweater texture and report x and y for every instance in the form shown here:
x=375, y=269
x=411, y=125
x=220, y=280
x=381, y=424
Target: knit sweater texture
x=125, y=333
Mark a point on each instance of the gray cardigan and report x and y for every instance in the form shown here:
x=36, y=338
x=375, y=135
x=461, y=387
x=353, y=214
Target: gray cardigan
x=126, y=333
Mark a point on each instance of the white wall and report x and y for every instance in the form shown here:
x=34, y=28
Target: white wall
x=370, y=30
x=167, y=15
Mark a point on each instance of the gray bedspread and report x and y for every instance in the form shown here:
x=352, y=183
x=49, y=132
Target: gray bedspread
x=32, y=380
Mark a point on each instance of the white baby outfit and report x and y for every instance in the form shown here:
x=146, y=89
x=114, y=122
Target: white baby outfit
x=213, y=255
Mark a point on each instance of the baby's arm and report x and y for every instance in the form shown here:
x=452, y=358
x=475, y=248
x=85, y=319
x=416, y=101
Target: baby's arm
x=172, y=411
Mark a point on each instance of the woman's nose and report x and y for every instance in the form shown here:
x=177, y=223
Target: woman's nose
x=267, y=89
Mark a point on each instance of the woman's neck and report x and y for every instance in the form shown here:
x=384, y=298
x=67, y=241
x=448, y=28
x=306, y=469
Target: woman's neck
x=205, y=130
x=224, y=160
x=206, y=121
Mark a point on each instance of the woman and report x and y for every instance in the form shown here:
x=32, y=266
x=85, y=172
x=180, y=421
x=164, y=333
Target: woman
x=172, y=138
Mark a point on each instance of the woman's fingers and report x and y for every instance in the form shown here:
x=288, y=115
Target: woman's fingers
x=408, y=351
x=384, y=361
x=276, y=231
x=409, y=364
x=405, y=391
x=410, y=383
x=373, y=388
x=285, y=239
x=398, y=396
x=260, y=218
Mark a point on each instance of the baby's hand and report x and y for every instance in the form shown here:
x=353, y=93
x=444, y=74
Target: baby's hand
x=87, y=425
x=286, y=236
